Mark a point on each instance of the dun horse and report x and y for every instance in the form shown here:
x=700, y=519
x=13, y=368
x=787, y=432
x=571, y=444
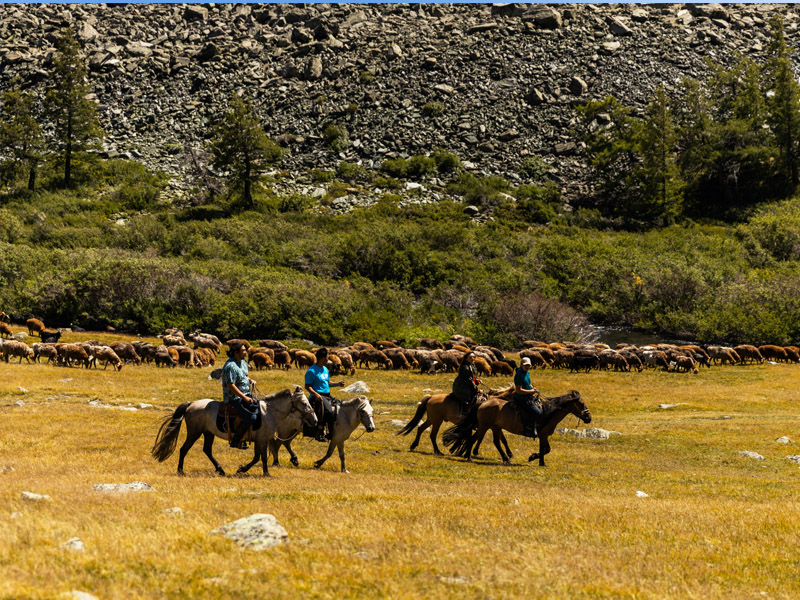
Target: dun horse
x=437, y=409
x=351, y=414
x=201, y=419
x=498, y=414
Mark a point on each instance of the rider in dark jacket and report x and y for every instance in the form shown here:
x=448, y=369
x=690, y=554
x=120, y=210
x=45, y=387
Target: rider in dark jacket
x=465, y=386
x=525, y=397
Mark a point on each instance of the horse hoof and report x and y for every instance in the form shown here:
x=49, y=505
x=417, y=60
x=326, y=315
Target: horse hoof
x=181, y=473
x=532, y=457
x=345, y=471
x=220, y=472
x=295, y=462
x=317, y=465
x=437, y=453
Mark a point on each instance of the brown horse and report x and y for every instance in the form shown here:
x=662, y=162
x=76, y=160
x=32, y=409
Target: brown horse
x=498, y=414
x=437, y=409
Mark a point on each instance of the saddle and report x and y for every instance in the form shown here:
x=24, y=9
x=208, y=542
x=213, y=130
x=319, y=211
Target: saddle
x=319, y=410
x=228, y=420
x=526, y=414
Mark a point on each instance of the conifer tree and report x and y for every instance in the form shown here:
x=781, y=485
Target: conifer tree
x=72, y=114
x=783, y=100
x=657, y=144
x=21, y=137
x=240, y=147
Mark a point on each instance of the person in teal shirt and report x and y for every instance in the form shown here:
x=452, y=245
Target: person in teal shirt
x=525, y=396
x=236, y=384
x=318, y=386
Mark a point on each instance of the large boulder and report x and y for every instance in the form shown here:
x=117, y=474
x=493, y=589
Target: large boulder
x=256, y=532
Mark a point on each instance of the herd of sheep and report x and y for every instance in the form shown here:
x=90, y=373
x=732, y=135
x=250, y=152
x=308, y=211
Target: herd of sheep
x=431, y=356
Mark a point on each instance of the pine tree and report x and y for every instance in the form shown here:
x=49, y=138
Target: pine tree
x=20, y=135
x=783, y=101
x=240, y=147
x=657, y=144
x=72, y=114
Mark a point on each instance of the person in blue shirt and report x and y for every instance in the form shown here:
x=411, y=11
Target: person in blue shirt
x=525, y=397
x=236, y=384
x=318, y=386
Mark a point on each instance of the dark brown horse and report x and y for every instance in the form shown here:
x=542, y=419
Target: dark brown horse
x=437, y=409
x=498, y=414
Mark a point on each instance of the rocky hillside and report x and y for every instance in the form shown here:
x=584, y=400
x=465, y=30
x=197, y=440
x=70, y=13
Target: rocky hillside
x=492, y=83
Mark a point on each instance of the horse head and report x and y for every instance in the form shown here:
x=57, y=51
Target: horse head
x=365, y=414
x=578, y=408
x=301, y=404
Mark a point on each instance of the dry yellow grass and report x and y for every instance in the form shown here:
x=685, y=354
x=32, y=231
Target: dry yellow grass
x=409, y=525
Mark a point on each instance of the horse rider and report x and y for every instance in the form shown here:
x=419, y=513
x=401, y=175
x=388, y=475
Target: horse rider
x=526, y=398
x=465, y=386
x=236, y=391
x=318, y=386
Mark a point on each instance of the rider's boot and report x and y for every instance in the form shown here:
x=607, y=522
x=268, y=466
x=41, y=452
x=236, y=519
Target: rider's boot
x=236, y=441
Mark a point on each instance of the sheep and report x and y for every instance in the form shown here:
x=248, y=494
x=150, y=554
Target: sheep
x=430, y=344
x=69, y=353
x=303, y=358
x=247, y=344
x=126, y=352
x=47, y=350
x=723, y=354
x=34, y=326
x=334, y=364
x=450, y=359
x=655, y=359
x=16, y=348
x=398, y=360
x=187, y=357
x=585, y=362
x=633, y=360
x=50, y=337
x=348, y=366
x=206, y=357
x=482, y=366
x=145, y=350
x=563, y=358
x=501, y=367
x=537, y=360
x=374, y=356
x=162, y=357
x=427, y=361
x=686, y=364
x=533, y=344
x=283, y=359
x=5, y=330
x=493, y=352
x=749, y=353
x=362, y=346
x=205, y=343
x=253, y=350
x=173, y=340
x=774, y=353
x=613, y=358
x=272, y=344
x=107, y=356
x=384, y=344
x=792, y=353
x=173, y=353
x=262, y=360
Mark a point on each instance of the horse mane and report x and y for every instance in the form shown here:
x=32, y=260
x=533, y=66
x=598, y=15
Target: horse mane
x=276, y=395
x=358, y=400
x=500, y=392
x=552, y=404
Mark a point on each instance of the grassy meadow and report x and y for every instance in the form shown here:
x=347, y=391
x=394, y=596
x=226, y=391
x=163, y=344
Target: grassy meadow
x=401, y=524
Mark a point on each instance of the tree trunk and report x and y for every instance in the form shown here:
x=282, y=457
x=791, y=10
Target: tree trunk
x=68, y=153
x=32, y=176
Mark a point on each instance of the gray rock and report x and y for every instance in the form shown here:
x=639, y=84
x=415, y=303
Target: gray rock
x=216, y=374
x=256, y=532
x=593, y=433
x=609, y=48
x=794, y=458
x=544, y=17
x=6, y=469
x=639, y=15
x=358, y=387
x=19, y=336
x=619, y=28
x=73, y=545
x=194, y=12
x=86, y=33
x=395, y=52
x=578, y=87
x=122, y=488
x=666, y=406
x=444, y=88
x=482, y=27
x=398, y=423
x=472, y=210
x=173, y=512
x=314, y=68
x=534, y=97
x=783, y=440
x=749, y=454
x=33, y=497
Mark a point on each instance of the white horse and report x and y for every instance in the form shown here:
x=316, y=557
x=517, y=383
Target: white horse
x=201, y=419
x=351, y=413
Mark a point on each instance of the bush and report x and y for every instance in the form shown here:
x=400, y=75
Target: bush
x=135, y=186
x=319, y=176
x=352, y=172
x=387, y=183
x=446, y=162
x=335, y=137
x=432, y=109
x=534, y=168
x=417, y=167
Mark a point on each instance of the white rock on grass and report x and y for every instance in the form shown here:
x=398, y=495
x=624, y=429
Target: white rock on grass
x=173, y=512
x=32, y=497
x=640, y=494
x=749, y=454
x=6, y=469
x=397, y=423
x=594, y=433
x=795, y=458
x=77, y=595
x=666, y=406
x=19, y=403
x=73, y=545
x=783, y=440
x=357, y=387
x=122, y=488
x=256, y=532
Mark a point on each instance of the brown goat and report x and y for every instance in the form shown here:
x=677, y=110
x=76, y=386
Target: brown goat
x=34, y=326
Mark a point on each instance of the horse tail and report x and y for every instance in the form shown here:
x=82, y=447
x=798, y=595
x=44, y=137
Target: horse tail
x=421, y=408
x=167, y=437
x=457, y=437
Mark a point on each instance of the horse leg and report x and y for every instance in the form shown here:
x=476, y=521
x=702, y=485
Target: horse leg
x=420, y=431
x=544, y=448
x=292, y=456
x=504, y=441
x=496, y=435
x=476, y=449
x=208, y=443
x=477, y=437
x=328, y=454
x=256, y=456
x=191, y=438
x=341, y=456
x=265, y=460
x=434, y=433
x=274, y=448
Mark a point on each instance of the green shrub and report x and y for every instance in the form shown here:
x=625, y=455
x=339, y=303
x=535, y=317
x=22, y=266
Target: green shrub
x=534, y=168
x=387, y=183
x=335, y=137
x=395, y=167
x=295, y=203
x=135, y=186
x=319, y=176
x=417, y=167
x=446, y=162
x=352, y=172
x=432, y=109
x=366, y=76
